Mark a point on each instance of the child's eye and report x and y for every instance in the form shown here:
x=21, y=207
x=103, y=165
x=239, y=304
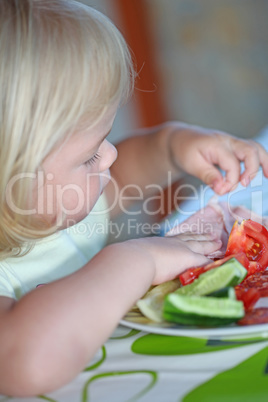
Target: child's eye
x=93, y=159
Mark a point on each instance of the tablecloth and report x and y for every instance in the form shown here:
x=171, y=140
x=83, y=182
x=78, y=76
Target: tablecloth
x=138, y=366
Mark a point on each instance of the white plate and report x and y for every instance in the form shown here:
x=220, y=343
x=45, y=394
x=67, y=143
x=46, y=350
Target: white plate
x=136, y=320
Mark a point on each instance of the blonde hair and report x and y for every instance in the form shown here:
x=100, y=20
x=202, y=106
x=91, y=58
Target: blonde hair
x=61, y=64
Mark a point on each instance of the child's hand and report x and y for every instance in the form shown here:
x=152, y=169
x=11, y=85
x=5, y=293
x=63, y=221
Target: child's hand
x=199, y=152
x=172, y=255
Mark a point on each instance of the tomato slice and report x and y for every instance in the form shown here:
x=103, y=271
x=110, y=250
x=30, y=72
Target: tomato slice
x=190, y=275
x=193, y=273
x=256, y=316
x=250, y=238
x=254, y=267
x=259, y=252
x=249, y=297
x=258, y=281
x=248, y=243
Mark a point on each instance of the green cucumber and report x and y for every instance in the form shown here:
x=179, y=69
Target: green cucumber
x=238, y=265
x=227, y=292
x=231, y=273
x=197, y=321
x=201, y=311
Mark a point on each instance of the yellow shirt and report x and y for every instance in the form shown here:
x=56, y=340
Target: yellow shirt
x=56, y=256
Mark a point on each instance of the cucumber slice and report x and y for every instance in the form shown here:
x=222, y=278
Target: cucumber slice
x=239, y=266
x=197, y=321
x=204, y=311
x=209, y=306
x=227, y=292
x=231, y=273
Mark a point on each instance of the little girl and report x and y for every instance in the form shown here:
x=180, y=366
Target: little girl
x=65, y=69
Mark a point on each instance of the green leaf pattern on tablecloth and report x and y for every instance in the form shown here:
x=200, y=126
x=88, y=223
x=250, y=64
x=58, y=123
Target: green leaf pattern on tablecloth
x=246, y=382
x=46, y=398
x=152, y=344
x=99, y=362
x=37, y=398
x=152, y=374
x=131, y=333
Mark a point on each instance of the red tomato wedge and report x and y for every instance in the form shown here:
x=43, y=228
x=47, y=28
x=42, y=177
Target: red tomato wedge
x=256, y=316
x=190, y=275
x=250, y=238
x=258, y=281
x=248, y=243
x=249, y=297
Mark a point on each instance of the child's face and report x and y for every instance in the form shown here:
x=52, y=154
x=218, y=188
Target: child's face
x=77, y=172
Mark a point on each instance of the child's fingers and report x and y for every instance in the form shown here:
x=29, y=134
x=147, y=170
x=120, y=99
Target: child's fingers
x=210, y=174
x=229, y=163
x=255, y=156
x=194, y=260
x=263, y=155
x=187, y=236
x=249, y=153
x=204, y=247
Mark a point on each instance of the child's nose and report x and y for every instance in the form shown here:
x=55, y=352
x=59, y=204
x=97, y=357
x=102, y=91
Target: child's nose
x=109, y=155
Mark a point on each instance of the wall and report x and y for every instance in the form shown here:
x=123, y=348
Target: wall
x=213, y=57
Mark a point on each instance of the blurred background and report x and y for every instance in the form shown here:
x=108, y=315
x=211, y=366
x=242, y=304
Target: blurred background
x=202, y=62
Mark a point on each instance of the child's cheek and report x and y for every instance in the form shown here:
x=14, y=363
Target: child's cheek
x=94, y=189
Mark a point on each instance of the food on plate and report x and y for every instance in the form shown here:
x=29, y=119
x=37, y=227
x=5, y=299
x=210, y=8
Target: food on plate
x=251, y=238
x=248, y=243
x=211, y=288
x=217, y=218
x=256, y=316
x=249, y=297
x=190, y=274
x=151, y=304
x=252, y=289
x=202, y=311
x=258, y=281
x=224, y=292
x=227, y=289
x=231, y=273
x=196, y=304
